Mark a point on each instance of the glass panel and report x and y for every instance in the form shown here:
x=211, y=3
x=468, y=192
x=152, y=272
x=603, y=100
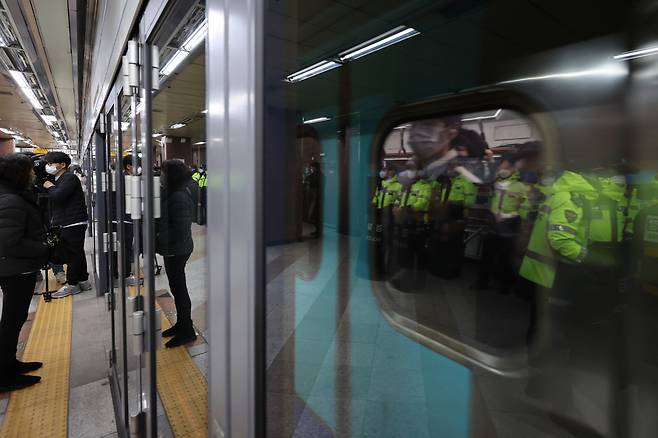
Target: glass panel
x=179, y=141
x=128, y=163
x=476, y=287
x=118, y=294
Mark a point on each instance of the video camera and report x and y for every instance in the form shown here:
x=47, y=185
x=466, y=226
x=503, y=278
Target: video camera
x=40, y=170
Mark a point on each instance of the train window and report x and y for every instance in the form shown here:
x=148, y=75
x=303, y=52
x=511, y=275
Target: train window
x=453, y=206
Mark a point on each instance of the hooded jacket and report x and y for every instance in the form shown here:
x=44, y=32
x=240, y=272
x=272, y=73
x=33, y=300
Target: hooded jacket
x=561, y=231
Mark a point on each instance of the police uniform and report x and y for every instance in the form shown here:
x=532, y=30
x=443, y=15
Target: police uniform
x=574, y=255
x=498, y=254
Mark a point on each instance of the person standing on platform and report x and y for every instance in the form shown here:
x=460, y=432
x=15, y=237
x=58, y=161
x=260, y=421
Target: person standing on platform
x=173, y=241
x=69, y=212
x=23, y=252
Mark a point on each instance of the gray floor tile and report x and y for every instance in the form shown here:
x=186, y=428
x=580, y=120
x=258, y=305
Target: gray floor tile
x=3, y=405
x=88, y=365
x=201, y=361
x=91, y=412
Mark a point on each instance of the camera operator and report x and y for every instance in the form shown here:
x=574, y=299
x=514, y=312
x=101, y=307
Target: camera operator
x=69, y=212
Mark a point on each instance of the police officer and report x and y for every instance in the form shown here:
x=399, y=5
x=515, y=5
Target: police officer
x=506, y=206
x=388, y=193
x=575, y=252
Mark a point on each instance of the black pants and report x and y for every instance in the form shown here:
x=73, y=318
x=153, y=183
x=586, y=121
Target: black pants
x=175, y=269
x=17, y=293
x=74, y=254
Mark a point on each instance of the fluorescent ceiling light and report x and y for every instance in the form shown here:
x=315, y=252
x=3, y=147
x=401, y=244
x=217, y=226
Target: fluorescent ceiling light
x=24, y=85
x=311, y=71
x=177, y=125
x=188, y=45
x=62, y=143
x=389, y=38
x=316, y=120
x=204, y=111
x=50, y=120
x=56, y=134
x=492, y=116
x=156, y=135
x=640, y=53
x=607, y=70
x=199, y=142
x=125, y=126
x=7, y=131
x=405, y=126
x=19, y=138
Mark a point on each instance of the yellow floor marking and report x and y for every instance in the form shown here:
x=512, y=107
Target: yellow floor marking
x=182, y=387
x=42, y=410
x=183, y=390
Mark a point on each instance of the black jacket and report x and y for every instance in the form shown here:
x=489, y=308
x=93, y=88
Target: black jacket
x=22, y=233
x=67, y=201
x=174, y=228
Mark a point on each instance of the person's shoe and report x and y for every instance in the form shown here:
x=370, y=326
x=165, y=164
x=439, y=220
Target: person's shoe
x=18, y=381
x=171, y=331
x=61, y=277
x=84, y=285
x=26, y=367
x=65, y=291
x=181, y=339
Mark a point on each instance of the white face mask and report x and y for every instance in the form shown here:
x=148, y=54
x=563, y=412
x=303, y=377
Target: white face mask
x=382, y=174
x=504, y=173
x=51, y=169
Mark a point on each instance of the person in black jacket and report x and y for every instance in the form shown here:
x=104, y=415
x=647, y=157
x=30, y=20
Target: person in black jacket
x=68, y=211
x=173, y=240
x=23, y=252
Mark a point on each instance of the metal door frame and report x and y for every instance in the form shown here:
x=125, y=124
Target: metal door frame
x=235, y=245
x=119, y=382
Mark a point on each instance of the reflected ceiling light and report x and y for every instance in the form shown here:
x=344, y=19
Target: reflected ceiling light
x=7, y=131
x=56, y=134
x=125, y=126
x=379, y=42
x=316, y=120
x=25, y=87
x=19, y=138
x=311, y=71
x=199, y=142
x=50, y=120
x=188, y=45
x=177, y=125
x=405, y=126
x=493, y=116
x=204, y=111
x=608, y=70
x=640, y=53
x=156, y=135
x=62, y=143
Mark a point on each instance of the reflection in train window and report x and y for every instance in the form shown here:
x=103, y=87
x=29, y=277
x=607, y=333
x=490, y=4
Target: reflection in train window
x=452, y=212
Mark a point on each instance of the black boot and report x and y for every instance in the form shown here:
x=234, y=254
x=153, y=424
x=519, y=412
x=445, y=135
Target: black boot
x=26, y=367
x=182, y=336
x=171, y=331
x=18, y=381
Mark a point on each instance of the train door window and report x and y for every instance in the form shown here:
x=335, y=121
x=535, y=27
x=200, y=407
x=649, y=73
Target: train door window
x=453, y=208
x=178, y=121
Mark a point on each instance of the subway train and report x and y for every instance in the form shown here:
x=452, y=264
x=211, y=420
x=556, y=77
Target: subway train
x=408, y=218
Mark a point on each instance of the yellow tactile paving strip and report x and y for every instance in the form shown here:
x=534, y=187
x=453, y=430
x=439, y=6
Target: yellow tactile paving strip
x=183, y=390
x=42, y=410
